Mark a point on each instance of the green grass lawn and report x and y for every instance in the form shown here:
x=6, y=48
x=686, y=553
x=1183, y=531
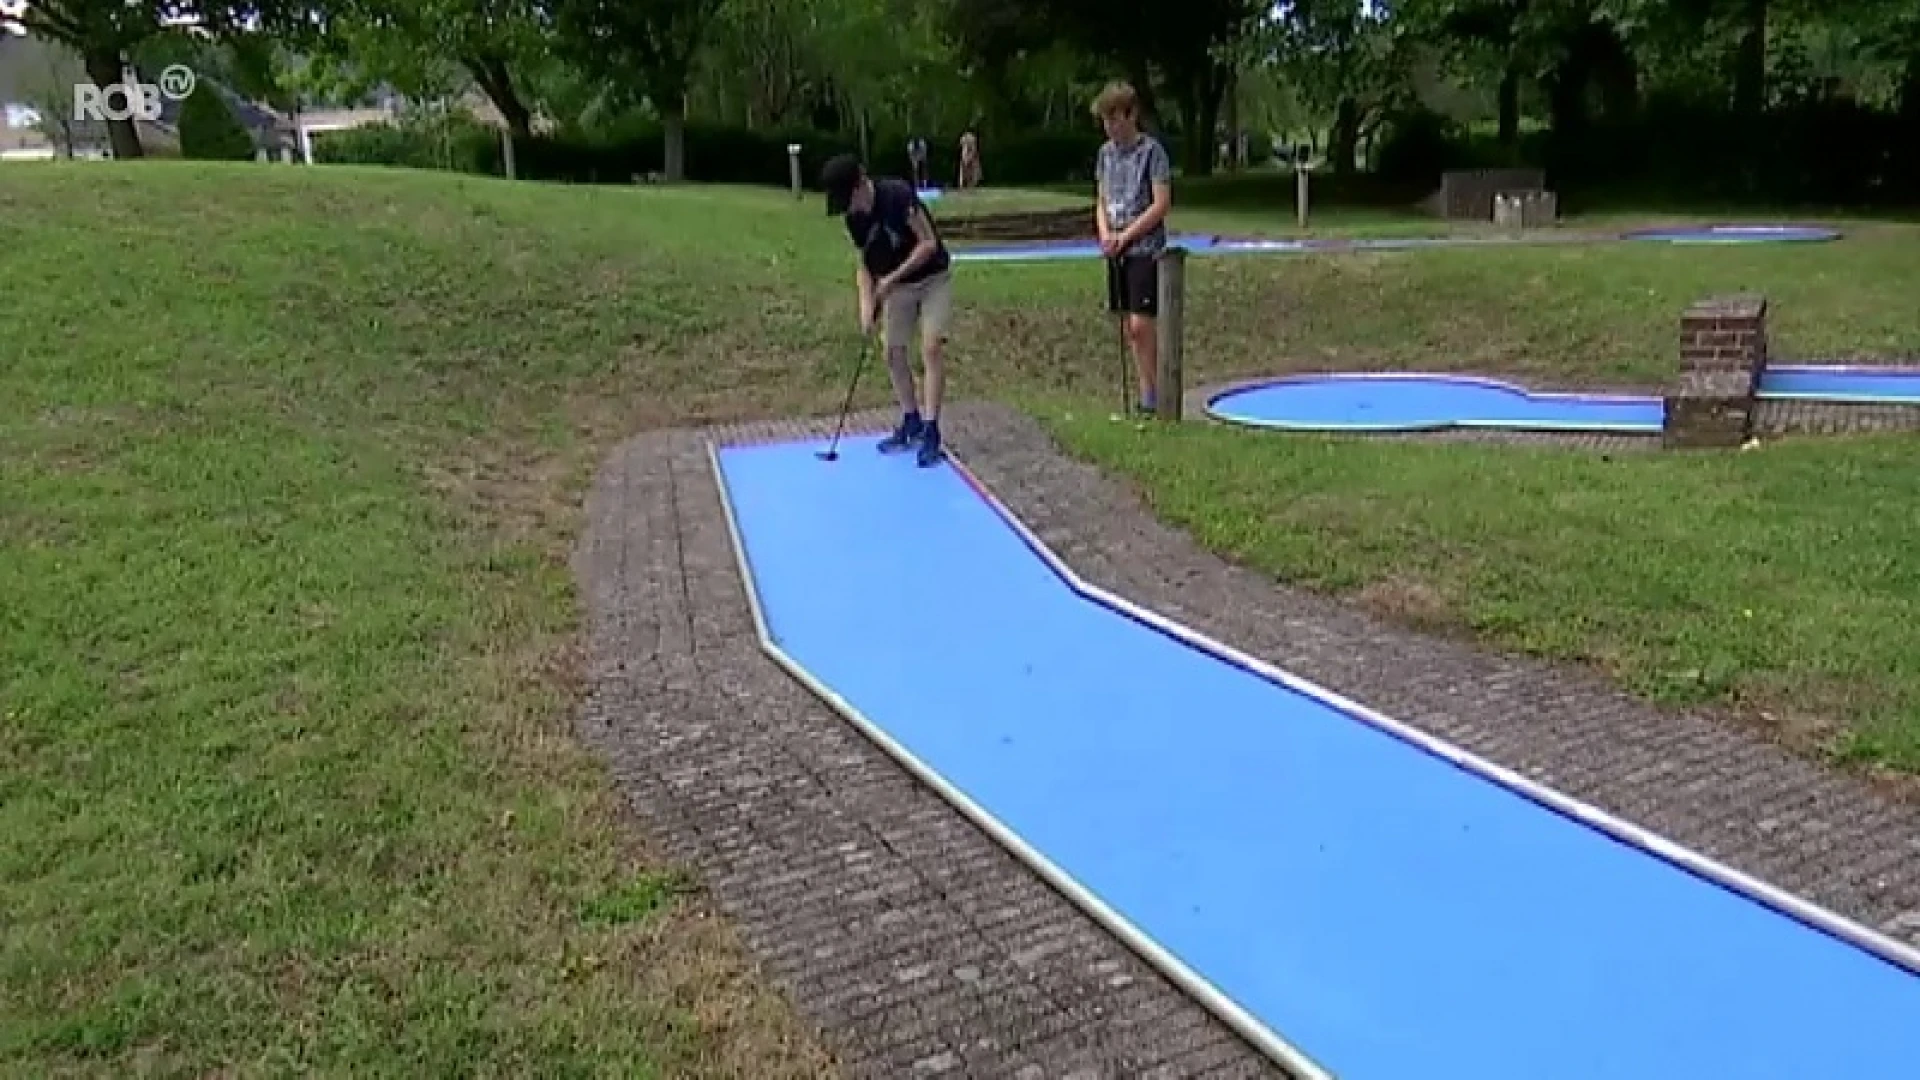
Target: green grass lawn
x=293, y=461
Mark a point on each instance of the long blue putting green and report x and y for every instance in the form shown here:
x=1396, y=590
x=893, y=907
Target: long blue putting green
x=1357, y=903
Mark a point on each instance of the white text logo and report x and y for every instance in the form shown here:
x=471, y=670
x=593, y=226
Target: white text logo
x=131, y=101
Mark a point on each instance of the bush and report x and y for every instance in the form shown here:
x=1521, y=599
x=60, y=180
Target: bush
x=714, y=154
x=1814, y=152
x=208, y=129
x=416, y=143
x=1420, y=144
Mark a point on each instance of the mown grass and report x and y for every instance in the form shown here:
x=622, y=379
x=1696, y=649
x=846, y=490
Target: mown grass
x=1770, y=582
x=286, y=775
x=293, y=460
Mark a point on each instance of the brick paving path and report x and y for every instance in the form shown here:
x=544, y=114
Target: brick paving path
x=917, y=944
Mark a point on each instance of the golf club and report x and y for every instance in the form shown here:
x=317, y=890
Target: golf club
x=1120, y=330
x=832, y=452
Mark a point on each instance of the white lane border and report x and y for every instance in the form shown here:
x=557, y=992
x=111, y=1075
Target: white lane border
x=1244, y=1023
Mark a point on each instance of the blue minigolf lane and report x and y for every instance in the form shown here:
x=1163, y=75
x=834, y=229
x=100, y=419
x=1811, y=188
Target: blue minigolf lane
x=1733, y=234
x=1388, y=914
x=1046, y=250
x=1416, y=402
x=1862, y=385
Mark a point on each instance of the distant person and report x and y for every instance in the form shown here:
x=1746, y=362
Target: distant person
x=904, y=283
x=969, y=161
x=1134, y=192
x=917, y=157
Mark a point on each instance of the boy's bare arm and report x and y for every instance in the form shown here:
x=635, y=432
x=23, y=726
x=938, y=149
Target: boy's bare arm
x=863, y=281
x=1162, y=203
x=925, y=245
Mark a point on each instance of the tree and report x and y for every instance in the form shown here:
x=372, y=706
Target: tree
x=1190, y=46
x=105, y=32
x=760, y=54
x=1481, y=36
x=208, y=129
x=424, y=48
x=1345, y=64
x=45, y=78
x=642, y=50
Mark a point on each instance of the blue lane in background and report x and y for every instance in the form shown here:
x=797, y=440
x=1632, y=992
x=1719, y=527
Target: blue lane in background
x=1201, y=244
x=1037, y=250
x=1413, y=402
x=1734, y=234
x=1848, y=384
x=1388, y=914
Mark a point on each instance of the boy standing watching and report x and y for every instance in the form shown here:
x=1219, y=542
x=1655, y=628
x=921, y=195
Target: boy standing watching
x=1135, y=191
x=917, y=157
x=903, y=278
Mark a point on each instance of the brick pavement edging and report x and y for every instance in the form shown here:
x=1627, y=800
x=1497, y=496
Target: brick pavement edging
x=919, y=945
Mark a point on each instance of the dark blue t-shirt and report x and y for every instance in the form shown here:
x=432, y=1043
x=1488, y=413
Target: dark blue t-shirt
x=884, y=234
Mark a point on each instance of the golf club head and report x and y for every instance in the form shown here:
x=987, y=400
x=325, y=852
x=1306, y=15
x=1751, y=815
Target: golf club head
x=827, y=455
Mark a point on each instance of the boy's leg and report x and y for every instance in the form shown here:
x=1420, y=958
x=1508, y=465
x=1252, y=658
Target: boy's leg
x=1142, y=289
x=936, y=308
x=898, y=317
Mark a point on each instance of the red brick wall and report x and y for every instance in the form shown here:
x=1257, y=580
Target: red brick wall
x=1723, y=350
x=1727, y=333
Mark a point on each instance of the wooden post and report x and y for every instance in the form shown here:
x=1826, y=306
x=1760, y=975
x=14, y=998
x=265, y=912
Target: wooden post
x=1171, y=327
x=793, y=168
x=1300, y=180
x=506, y=155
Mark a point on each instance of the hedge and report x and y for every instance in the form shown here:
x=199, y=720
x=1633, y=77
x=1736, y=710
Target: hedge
x=1833, y=152
x=714, y=154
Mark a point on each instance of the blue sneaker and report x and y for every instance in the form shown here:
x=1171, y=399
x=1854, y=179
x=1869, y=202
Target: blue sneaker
x=904, y=437
x=930, y=452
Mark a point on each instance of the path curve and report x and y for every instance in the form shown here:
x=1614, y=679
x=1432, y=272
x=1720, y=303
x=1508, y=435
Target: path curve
x=920, y=947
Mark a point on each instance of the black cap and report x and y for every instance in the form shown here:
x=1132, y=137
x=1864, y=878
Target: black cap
x=839, y=176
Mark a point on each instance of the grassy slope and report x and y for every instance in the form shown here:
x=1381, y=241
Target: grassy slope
x=285, y=773
x=293, y=466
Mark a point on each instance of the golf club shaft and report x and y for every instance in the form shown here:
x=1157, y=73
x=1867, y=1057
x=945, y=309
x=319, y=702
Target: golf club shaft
x=1116, y=286
x=859, y=365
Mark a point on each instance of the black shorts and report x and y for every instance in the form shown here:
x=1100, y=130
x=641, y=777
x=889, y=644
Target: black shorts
x=1133, y=285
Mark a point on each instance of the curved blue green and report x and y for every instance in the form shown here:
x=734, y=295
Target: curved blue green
x=1379, y=402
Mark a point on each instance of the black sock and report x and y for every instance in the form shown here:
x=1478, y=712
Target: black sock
x=912, y=421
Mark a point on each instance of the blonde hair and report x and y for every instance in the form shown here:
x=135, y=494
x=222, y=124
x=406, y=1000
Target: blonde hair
x=1118, y=99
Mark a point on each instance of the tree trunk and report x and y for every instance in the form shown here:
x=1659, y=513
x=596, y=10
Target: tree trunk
x=490, y=73
x=105, y=69
x=673, y=125
x=1230, y=104
x=1910, y=91
x=1750, y=61
x=1198, y=97
x=1510, y=107
x=1620, y=87
x=1567, y=95
x=1344, y=142
x=1142, y=79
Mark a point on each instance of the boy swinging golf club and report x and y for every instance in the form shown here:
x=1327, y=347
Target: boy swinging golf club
x=904, y=284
